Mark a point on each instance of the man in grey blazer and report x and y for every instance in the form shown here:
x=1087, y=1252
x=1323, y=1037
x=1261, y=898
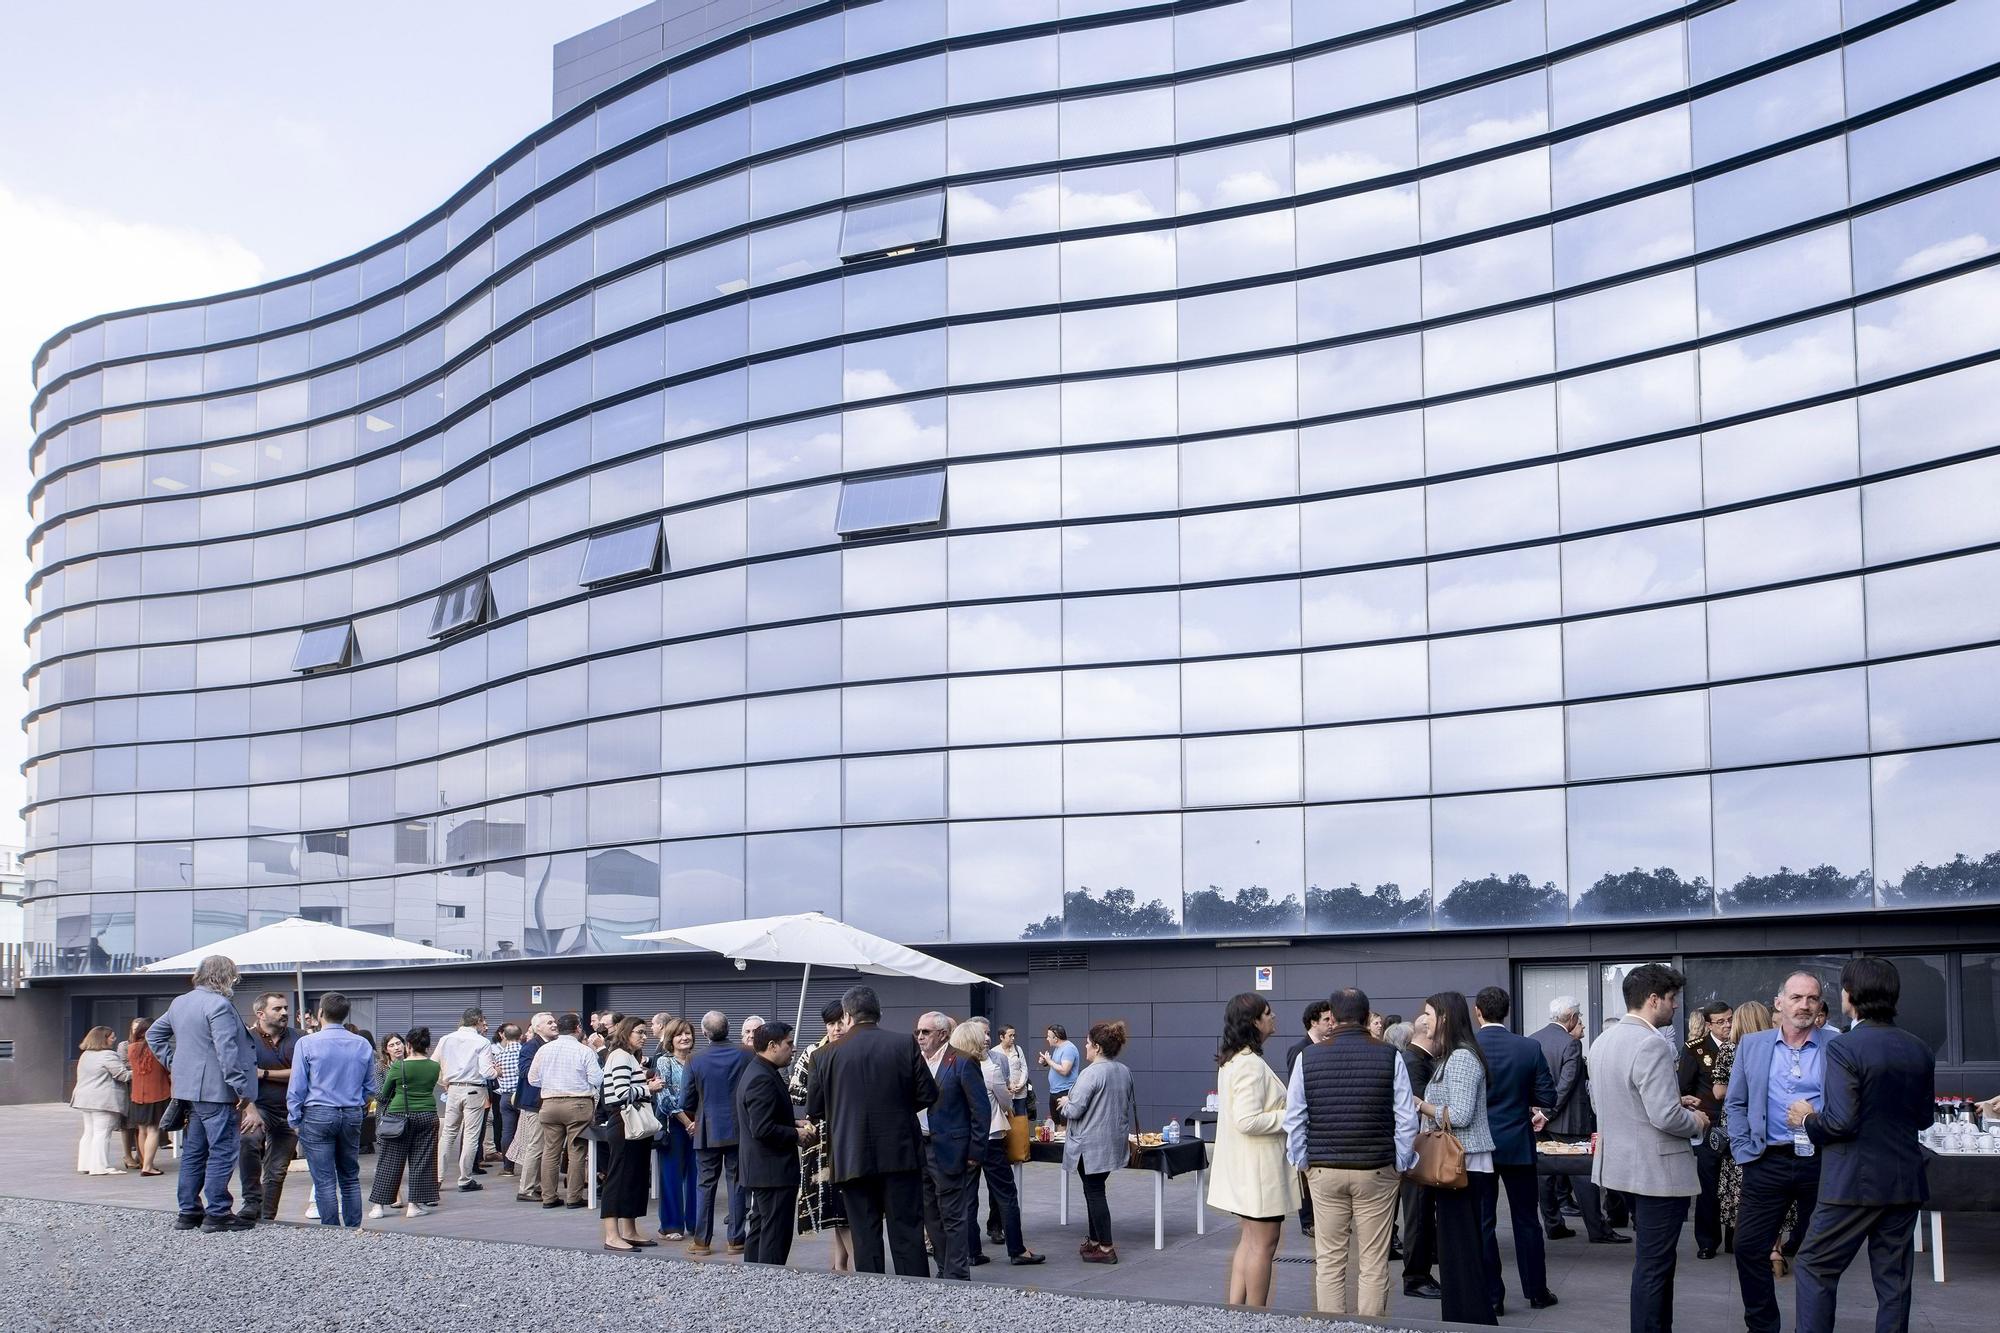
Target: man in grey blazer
x=207, y=1050
x=1643, y=1129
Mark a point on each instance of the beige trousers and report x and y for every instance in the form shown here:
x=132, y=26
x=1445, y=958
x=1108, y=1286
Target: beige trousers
x=1365, y=1203
x=525, y=1152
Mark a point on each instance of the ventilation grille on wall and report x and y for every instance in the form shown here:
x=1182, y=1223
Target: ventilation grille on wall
x=6, y=1050
x=1057, y=960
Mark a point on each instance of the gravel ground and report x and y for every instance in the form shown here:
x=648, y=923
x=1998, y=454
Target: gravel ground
x=82, y=1266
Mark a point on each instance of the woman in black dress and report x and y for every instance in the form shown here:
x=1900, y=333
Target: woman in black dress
x=821, y=1206
x=628, y=1162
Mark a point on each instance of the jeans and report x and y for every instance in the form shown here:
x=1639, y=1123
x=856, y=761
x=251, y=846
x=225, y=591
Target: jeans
x=1656, y=1238
x=677, y=1179
x=1096, y=1207
x=330, y=1137
x=1771, y=1184
x=263, y=1161
x=715, y=1164
x=208, y=1158
x=509, y=1122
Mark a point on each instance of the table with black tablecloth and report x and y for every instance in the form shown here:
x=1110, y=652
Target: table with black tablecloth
x=1960, y=1183
x=1563, y=1163
x=1165, y=1162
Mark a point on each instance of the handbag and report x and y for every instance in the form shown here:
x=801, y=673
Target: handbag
x=174, y=1115
x=392, y=1124
x=640, y=1122
x=1017, y=1139
x=1440, y=1158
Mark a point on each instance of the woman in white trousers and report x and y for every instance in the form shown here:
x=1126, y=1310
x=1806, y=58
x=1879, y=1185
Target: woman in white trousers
x=100, y=1096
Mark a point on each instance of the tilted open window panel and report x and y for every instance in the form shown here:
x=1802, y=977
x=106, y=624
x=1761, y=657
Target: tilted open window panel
x=462, y=607
x=327, y=648
x=873, y=505
x=624, y=554
x=892, y=226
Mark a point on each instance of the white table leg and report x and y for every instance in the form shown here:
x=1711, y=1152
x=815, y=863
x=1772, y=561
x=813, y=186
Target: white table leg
x=590, y=1177
x=1159, y=1205
x=1201, y=1202
x=1062, y=1199
x=1937, y=1246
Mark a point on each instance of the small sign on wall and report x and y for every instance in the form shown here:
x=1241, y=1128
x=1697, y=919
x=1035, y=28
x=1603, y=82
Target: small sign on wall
x=1264, y=977
x=534, y=995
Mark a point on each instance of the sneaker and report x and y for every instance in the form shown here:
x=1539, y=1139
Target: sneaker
x=225, y=1223
x=187, y=1221
x=1102, y=1254
x=375, y=1214
x=312, y=1212
x=736, y=1247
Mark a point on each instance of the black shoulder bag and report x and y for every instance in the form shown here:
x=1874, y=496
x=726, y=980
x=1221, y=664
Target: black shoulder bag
x=394, y=1124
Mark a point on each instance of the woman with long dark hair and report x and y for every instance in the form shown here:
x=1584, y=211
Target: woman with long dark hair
x=1249, y=1176
x=409, y=1090
x=1456, y=1100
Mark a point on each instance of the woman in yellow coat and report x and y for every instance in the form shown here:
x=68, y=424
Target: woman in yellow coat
x=1249, y=1176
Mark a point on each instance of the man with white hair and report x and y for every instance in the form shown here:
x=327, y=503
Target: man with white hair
x=206, y=1048
x=1570, y=1118
x=750, y=1026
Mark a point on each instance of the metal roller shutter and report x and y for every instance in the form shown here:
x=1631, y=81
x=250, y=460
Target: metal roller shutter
x=642, y=998
x=738, y=999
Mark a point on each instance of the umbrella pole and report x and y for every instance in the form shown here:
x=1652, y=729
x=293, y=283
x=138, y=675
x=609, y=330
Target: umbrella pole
x=799, y=1022
x=299, y=1014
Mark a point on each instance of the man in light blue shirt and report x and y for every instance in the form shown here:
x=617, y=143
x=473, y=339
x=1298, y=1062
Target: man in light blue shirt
x=1063, y=1062
x=333, y=1079
x=1773, y=1069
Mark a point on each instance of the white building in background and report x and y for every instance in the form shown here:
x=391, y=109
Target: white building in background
x=13, y=887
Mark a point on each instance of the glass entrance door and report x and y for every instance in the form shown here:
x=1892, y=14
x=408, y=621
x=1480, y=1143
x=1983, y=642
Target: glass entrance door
x=1544, y=982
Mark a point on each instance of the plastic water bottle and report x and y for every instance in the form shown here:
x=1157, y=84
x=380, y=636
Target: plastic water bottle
x=1172, y=1133
x=1802, y=1144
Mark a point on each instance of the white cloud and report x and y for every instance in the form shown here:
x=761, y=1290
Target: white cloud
x=71, y=263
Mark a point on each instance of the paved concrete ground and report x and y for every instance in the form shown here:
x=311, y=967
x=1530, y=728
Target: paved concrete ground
x=37, y=1159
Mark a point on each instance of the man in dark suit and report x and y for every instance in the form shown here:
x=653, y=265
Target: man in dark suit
x=867, y=1088
x=1880, y=1085
x=711, y=1104
x=1570, y=1118
x=1517, y=1083
x=768, y=1141
x=1697, y=1075
x=954, y=1141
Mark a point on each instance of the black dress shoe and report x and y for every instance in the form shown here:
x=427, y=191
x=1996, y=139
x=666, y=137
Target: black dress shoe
x=187, y=1221
x=580, y=1203
x=552, y=1203
x=997, y=1238
x=225, y=1224
x=1026, y=1257
x=1560, y=1233
x=466, y=1187
x=1543, y=1301
x=1611, y=1238
x=252, y=1218
x=978, y=1259
x=1425, y=1290
x=1705, y=1252
x=1499, y=1309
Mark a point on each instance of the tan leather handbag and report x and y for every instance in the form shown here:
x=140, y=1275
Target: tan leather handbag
x=1017, y=1139
x=1440, y=1158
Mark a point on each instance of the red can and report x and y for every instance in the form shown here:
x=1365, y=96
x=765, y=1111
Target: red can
x=1593, y=1143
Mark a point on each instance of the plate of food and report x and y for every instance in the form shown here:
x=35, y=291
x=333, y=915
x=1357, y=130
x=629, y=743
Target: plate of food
x=1149, y=1140
x=1557, y=1148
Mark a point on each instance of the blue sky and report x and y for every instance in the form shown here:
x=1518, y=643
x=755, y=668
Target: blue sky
x=150, y=152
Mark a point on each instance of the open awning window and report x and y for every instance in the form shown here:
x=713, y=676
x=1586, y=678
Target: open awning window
x=462, y=607
x=891, y=226
x=873, y=505
x=624, y=554
x=326, y=648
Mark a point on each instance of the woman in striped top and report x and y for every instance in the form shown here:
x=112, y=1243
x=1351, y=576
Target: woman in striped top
x=629, y=1162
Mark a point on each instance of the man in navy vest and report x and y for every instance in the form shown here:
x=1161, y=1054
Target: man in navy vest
x=1351, y=1126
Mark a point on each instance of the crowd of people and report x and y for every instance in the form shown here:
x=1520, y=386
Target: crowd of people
x=1391, y=1139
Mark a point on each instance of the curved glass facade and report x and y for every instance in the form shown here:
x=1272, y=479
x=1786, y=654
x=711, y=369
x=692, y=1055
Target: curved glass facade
x=1013, y=469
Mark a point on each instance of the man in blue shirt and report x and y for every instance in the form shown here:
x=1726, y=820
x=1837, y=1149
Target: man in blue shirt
x=333, y=1079
x=1774, y=1069
x=1063, y=1062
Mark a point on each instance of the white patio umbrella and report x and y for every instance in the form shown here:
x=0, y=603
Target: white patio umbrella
x=296, y=943
x=815, y=940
